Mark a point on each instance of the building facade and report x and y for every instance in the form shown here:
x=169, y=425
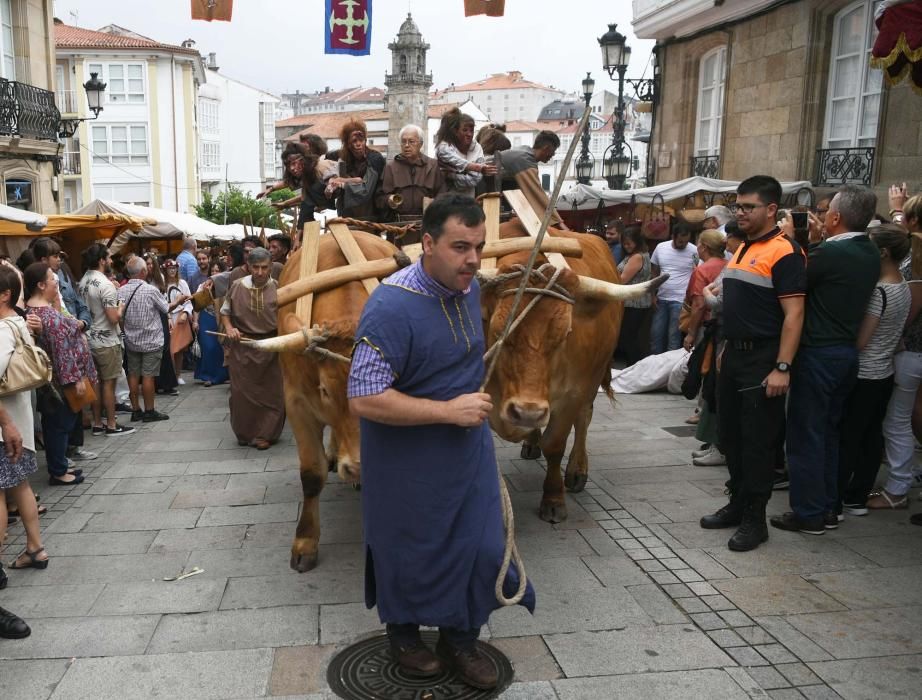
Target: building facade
x=143, y=147
x=29, y=120
x=502, y=96
x=782, y=88
x=236, y=129
x=296, y=103
x=408, y=84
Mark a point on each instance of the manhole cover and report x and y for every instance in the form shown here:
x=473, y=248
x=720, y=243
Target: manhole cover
x=365, y=671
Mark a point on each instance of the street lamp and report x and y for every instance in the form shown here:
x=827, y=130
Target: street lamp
x=94, y=88
x=585, y=162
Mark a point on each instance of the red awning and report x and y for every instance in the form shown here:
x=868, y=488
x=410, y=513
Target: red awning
x=898, y=49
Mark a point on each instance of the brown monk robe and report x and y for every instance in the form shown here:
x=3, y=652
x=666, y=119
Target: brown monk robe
x=257, y=404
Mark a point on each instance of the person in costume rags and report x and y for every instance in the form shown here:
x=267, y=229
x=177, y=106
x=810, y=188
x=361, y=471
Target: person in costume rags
x=430, y=495
x=257, y=404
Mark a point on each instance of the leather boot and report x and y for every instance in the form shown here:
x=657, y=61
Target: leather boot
x=12, y=626
x=753, y=531
x=416, y=659
x=730, y=515
x=472, y=666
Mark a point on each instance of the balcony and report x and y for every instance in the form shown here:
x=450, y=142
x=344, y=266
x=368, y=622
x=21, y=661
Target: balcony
x=27, y=111
x=844, y=166
x=705, y=166
x=70, y=163
x=66, y=101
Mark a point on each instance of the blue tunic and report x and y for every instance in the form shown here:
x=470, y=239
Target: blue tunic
x=430, y=498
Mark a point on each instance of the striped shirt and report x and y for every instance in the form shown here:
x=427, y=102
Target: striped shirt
x=370, y=373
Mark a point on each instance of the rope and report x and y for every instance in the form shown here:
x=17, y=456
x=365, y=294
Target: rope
x=375, y=227
x=511, y=553
x=321, y=335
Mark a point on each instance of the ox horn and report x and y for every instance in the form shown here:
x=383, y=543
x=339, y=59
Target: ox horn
x=592, y=288
x=290, y=342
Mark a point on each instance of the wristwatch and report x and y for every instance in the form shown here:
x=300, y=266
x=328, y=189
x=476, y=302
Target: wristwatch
x=782, y=366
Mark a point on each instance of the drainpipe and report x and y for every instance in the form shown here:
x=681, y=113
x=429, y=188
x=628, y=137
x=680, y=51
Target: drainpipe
x=173, y=110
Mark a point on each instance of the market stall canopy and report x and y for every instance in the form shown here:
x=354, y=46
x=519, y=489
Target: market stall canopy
x=239, y=231
x=587, y=197
x=31, y=220
x=898, y=48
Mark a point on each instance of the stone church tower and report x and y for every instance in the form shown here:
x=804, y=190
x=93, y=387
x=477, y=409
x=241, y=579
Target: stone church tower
x=408, y=84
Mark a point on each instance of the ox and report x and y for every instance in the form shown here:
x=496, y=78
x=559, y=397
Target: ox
x=547, y=375
x=552, y=365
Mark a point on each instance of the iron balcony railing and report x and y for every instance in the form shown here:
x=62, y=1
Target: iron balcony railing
x=844, y=166
x=70, y=163
x=27, y=111
x=705, y=166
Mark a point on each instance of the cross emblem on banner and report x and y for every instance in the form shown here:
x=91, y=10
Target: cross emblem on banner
x=350, y=22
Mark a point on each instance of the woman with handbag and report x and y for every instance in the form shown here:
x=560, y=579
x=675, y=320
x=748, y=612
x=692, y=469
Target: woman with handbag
x=74, y=372
x=183, y=324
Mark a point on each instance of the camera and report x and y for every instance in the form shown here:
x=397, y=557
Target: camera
x=800, y=219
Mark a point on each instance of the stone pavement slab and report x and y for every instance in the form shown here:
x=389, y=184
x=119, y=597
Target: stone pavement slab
x=211, y=538
x=854, y=634
x=32, y=679
x=871, y=588
x=156, y=597
x=321, y=586
x=777, y=595
x=99, y=543
x=889, y=677
x=713, y=684
x=61, y=600
x=82, y=637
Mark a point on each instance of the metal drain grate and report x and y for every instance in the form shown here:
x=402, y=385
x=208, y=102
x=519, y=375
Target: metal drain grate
x=365, y=671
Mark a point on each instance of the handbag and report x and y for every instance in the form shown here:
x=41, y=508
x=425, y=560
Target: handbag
x=685, y=317
x=655, y=224
x=29, y=367
x=76, y=402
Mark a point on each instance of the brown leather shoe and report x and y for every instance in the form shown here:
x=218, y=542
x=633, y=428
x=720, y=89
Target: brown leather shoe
x=261, y=444
x=416, y=660
x=471, y=666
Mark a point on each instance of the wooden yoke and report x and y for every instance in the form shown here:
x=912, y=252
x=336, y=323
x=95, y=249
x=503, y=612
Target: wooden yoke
x=352, y=252
x=531, y=220
x=490, y=202
x=310, y=251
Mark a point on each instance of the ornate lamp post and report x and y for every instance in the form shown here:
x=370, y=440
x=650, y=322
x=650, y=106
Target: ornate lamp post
x=616, y=55
x=585, y=162
x=94, y=89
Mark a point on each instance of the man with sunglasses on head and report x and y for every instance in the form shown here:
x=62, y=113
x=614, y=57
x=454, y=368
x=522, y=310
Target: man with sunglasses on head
x=763, y=310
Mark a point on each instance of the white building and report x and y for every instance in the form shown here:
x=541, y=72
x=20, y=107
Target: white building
x=236, y=133
x=138, y=150
x=502, y=96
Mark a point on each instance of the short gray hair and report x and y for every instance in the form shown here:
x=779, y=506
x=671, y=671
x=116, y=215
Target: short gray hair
x=136, y=266
x=258, y=255
x=411, y=127
x=189, y=244
x=719, y=212
x=857, y=205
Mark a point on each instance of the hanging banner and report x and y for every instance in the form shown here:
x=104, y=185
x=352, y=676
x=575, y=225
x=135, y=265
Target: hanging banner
x=348, y=27
x=491, y=8
x=213, y=10
x=898, y=48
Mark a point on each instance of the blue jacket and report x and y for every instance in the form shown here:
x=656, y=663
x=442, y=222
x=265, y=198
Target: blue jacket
x=76, y=307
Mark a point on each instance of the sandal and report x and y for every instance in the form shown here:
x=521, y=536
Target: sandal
x=13, y=515
x=882, y=500
x=33, y=563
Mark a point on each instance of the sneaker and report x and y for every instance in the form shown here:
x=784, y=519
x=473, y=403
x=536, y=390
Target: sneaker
x=858, y=509
x=136, y=416
x=82, y=455
x=70, y=463
x=123, y=408
x=701, y=451
x=790, y=522
x=782, y=481
x=152, y=416
x=714, y=458
x=119, y=430
x=181, y=381
x=831, y=521
x=98, y=430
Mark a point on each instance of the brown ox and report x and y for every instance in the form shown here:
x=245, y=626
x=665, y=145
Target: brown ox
x=315, y=388
x=552, y=365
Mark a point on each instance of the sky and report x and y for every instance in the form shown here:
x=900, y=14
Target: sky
x=277, y=45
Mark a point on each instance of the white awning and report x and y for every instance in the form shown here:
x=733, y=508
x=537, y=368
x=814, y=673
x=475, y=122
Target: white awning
x=33, y=221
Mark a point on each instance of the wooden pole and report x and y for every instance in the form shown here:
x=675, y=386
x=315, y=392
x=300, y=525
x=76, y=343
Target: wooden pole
x=352, y=252
x=491, y=202
x=310, y=251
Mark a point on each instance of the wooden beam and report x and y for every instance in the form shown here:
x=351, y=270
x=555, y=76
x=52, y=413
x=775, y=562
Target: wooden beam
x=310, y=251
x=491, y=204
x=352, y=252
x=532, y=222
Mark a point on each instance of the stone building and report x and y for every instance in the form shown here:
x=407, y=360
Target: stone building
x=502, y=96
x=782, y=88
x=407, y=100
x=29, y=118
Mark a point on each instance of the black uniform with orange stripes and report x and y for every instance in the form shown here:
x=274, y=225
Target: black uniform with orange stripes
x=762, y=272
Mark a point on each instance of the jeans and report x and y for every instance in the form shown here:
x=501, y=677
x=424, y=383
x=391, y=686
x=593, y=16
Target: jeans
x=821, y=381
x=57, y=426
x=407, y=634
x=862, y=438
x=899, y=446
x=664, y=332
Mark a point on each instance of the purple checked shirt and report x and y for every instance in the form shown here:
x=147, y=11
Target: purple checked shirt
x=370, y=373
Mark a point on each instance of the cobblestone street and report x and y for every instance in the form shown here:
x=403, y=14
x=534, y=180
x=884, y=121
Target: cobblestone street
x=634, y=599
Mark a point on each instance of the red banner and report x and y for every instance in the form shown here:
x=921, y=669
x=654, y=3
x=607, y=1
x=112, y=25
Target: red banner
x=348, y=27
x=898, y=48
x=491, y=8
x=213, y=10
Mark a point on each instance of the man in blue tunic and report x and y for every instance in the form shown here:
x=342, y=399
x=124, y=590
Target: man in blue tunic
x=430, y=496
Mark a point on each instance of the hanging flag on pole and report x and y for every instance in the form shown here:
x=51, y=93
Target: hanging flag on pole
x=213, y=10
x=491, y=8
x=348, y=27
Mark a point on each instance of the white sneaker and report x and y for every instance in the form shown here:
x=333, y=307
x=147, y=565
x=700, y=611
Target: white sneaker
x=82, y=455
x=182, y=382
x=700, y=453
x=714, y=458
